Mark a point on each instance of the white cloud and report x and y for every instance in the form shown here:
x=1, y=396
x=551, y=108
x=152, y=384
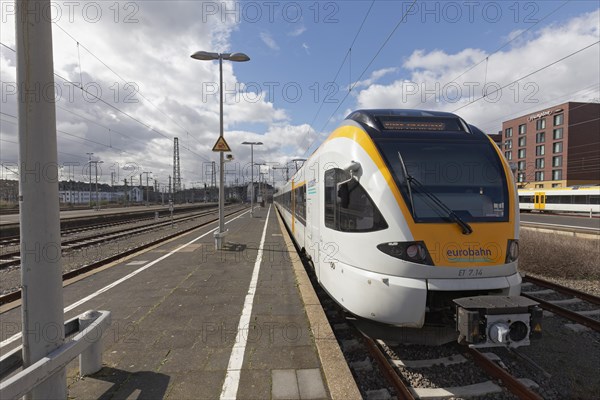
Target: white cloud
x=298, y=31
x=432, y=81
x=375, y=76
x=152, y=55
x=269, y=41
x=306, y=48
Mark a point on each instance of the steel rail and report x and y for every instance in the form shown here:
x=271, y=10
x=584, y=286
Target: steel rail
x=510, y=382
x=402, y=391
x=562, y=289
x=82, y=242
x=566, y=313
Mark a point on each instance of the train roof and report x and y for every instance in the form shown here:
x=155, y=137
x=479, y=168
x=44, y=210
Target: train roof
x=387, y=123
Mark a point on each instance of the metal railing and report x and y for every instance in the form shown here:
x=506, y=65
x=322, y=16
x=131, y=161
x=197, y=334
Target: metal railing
x=87, y=344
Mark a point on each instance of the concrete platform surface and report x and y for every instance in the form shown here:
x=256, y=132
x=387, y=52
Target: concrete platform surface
x=196, y=323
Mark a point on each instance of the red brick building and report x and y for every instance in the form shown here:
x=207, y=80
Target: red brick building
x=555, y=147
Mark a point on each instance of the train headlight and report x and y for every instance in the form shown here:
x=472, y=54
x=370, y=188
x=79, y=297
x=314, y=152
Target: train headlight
x=409, y=251
x=512, y=251
x=518, y=331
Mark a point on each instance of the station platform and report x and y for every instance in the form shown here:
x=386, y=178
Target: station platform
x=192, y=322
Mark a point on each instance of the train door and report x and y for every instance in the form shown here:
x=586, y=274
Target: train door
x=539, y=201
x=312, y=214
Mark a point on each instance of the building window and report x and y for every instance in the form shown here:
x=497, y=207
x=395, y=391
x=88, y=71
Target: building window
x=540, y=124
x=557, y=148
x=540, y=186
x=558, y=119
x=521, y=165
x=540, y=150
x=522, y=141
x=508, y=155
x=557, y=161
x=556, y=185
x=521, y=177
x=540, y=137
x=522, y=129
x=508, y=144
x=558, y=133
x=557, y=174
x=539, y=163
x=508, y=132
x=521, y=153
x=539, y=176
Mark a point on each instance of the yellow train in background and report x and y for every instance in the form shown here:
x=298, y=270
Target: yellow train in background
x=572, y=199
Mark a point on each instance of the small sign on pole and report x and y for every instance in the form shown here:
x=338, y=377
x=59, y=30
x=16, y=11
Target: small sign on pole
x=221, y=145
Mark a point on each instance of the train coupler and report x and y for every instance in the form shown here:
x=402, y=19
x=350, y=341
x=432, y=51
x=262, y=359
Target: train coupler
x=493, y=321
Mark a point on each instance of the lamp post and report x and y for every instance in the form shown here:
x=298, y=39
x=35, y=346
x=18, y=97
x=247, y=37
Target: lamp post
x=90, y=168
x=252, y=144
x=208, y=56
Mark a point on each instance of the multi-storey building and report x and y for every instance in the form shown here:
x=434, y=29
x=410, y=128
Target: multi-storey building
x=555, y=147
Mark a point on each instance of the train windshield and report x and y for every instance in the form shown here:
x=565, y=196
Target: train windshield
x=466, y=178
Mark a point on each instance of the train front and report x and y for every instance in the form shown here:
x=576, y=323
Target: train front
x=454, y=226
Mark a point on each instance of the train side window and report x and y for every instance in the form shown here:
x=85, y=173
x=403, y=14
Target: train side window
x=348, y=207
x=300, y=203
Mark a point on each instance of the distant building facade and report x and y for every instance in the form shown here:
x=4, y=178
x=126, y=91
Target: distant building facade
x=557, y=146
x=132, y=195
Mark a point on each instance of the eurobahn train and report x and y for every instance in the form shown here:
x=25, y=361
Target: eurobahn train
x=571, y=199
x=411, y=219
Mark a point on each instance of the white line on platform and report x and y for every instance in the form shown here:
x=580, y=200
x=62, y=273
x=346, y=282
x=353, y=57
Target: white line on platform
x=123, y=279
x=234, y=368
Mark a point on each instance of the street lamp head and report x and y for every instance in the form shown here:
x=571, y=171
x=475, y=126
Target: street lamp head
x=205, y=56
x=253, y=143
x=239, y=57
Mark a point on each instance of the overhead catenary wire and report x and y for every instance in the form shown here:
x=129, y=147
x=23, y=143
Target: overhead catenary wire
x=347, y=54
x=527, y=75
x=408, y=10
x=538, y=106
x=122, y=79
x=95, y=97
x=512, y=39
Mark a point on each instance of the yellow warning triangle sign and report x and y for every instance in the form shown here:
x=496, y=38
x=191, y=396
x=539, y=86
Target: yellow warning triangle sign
x=221, y=145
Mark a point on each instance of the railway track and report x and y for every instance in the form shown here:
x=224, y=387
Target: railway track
x=425, y=372
x=571, y=304
x=549, y=368
x=70, y=226
x=13, y=258
x=14, y=240
x=16, y=295
x=466, y=372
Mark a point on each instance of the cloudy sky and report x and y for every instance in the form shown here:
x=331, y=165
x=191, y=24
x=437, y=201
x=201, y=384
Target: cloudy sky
x=126, y=85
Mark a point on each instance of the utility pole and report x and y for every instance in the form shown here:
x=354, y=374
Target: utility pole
x=90, y=168
x=287, y=172
x=176, y=169
x=39, y=217
x=96, y=168
x=147, y=187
